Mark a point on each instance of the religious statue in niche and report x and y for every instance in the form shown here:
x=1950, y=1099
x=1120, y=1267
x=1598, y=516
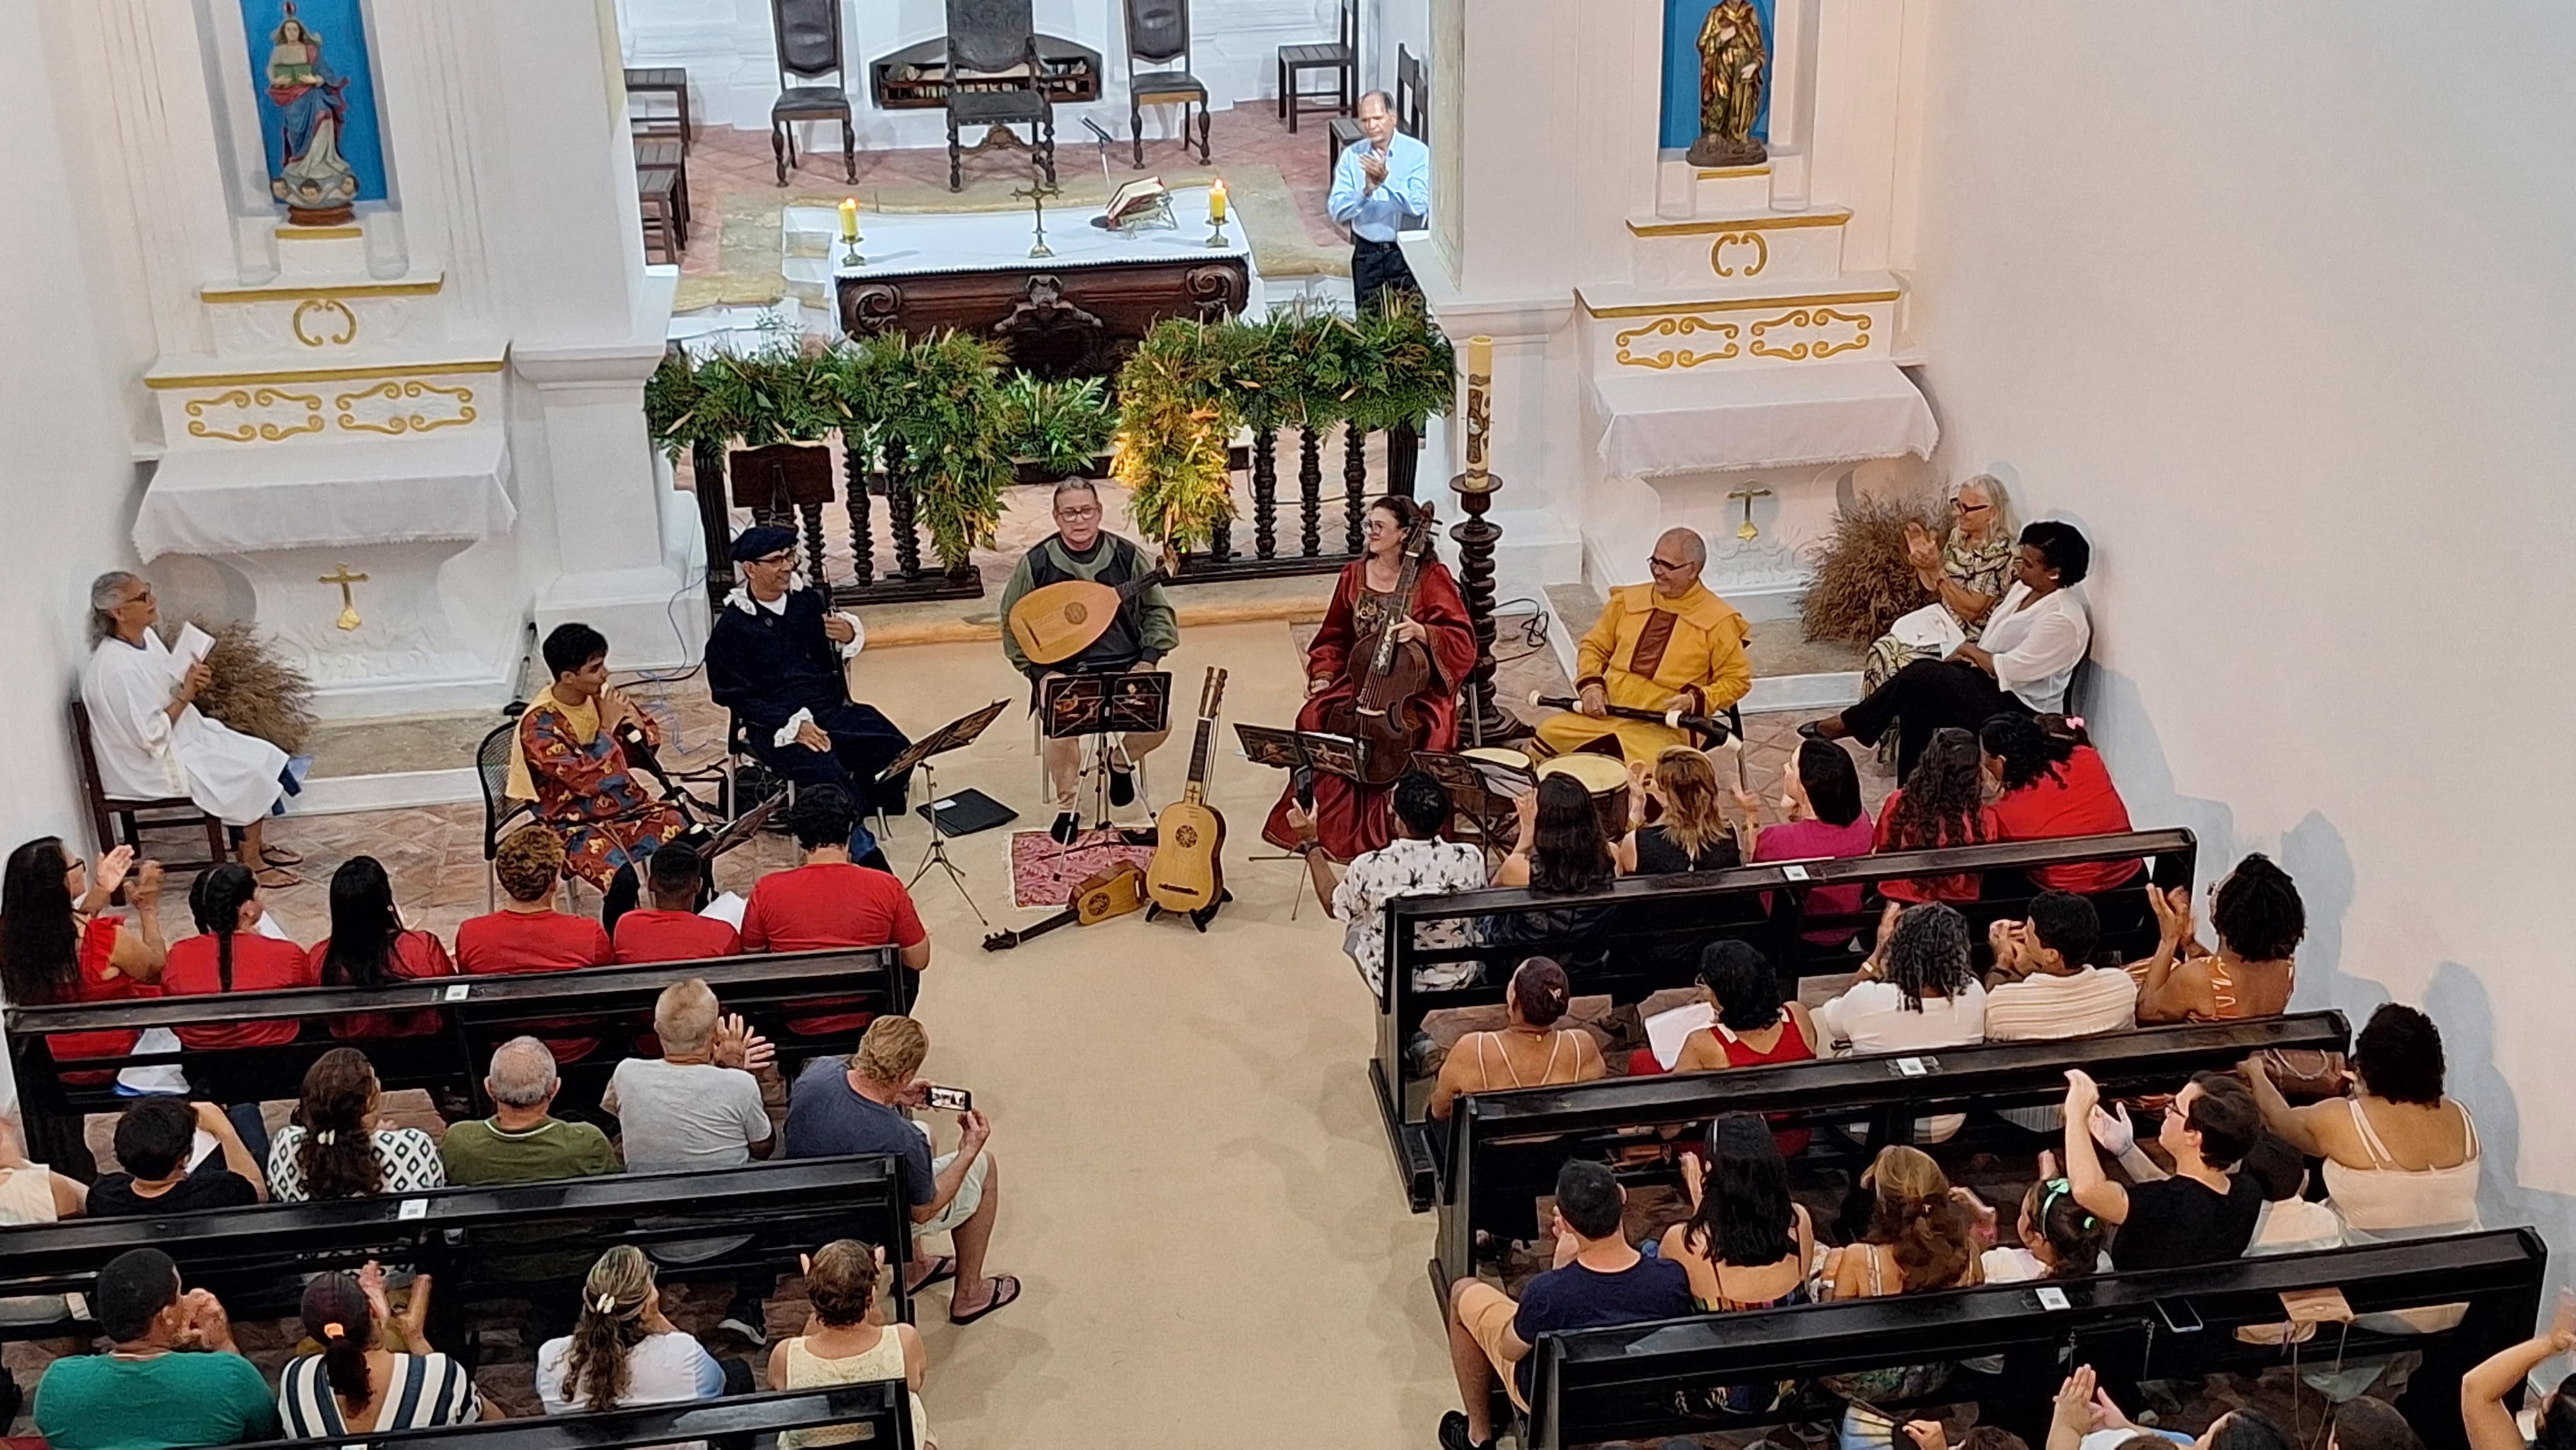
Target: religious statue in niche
x=1731, y=58
x=308, y=105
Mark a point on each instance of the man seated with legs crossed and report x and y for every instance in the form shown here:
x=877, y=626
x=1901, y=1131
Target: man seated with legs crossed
x=1599, y=1279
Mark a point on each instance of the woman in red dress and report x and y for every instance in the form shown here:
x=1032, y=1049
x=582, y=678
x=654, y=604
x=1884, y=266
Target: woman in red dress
x=1352, y=818
x=59, y=944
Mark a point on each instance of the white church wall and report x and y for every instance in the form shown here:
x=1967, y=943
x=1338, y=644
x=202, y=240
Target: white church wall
x=2270, y=300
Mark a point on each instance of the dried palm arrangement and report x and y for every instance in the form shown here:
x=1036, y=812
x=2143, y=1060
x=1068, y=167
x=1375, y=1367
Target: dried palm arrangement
x=254, y=690
x=1863, y=579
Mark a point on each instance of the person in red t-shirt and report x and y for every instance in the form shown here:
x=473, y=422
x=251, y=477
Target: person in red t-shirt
x=528, y=934
x=229, y=954
x=831, y=901
x=58, y=944
x=2055, y=785
x=369, y=947
x=1941, y=804
x=673, y=931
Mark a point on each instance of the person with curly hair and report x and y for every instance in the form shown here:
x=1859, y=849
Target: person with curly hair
x=527, y=934
x=1942, y=803
x=2401, y=1159
x=337, y=1147
x=2260, y=920
x=1916, y=991
x=2051, y=783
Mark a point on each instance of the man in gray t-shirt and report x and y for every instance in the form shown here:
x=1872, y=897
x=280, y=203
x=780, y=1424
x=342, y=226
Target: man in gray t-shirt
x=712, y=1100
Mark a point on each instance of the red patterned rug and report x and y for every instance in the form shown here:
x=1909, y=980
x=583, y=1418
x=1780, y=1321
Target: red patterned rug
x=1044, y=873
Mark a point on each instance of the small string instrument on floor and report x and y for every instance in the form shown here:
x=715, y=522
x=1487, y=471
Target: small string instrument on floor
x=1386, y=710
x=1054, y=623
x=1187, y=874
x=1102, y=895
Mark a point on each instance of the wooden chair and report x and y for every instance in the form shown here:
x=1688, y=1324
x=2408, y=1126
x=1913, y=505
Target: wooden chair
x=1411, y=107
x=1342, y=58
x=995, y=80
x=161, y=813
x=808, y=36
x=661, y=80
x=1158, y=34
x=662, y=197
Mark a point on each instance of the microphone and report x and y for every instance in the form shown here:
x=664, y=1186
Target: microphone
x=1094, y=128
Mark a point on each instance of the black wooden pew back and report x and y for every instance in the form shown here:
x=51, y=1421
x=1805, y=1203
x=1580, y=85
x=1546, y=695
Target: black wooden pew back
x=878, y=1406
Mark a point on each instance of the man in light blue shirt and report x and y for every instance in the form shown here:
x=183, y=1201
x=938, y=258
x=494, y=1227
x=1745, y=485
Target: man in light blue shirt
x=1381, y=186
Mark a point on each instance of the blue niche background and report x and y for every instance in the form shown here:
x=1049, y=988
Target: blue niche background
x=343, y=36
x=1682, y=20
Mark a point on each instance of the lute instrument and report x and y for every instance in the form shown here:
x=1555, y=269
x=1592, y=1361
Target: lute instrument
x=1188, y=872
x=1385, y=710
x=1054, y=623
x=1100, y=896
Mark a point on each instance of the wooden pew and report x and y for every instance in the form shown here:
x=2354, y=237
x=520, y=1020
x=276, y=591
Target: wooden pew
x=1643, y=1382
x=477, y=1014
x=245, y=1254
x=1505, y=1147
x=879, y=1405
x=1644, y=934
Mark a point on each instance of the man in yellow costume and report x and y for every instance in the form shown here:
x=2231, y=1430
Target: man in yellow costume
x=1658, y=646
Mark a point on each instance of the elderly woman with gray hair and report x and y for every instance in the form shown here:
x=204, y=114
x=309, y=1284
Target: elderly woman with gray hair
x=1966, y=573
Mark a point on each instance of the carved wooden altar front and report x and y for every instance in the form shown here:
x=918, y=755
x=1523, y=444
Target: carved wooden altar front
x=1055, y=322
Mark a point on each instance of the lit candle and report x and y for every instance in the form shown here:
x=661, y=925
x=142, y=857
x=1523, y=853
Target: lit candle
x=1216, y=201
x=849, y=219
x=1480, y=357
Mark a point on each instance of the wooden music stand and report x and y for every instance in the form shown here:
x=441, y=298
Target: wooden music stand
x=1299, y=750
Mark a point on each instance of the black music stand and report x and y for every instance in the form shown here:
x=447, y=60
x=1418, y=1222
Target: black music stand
x=1486, y=792
x=1295, y=751
x=957, y=734
x=1123, y=702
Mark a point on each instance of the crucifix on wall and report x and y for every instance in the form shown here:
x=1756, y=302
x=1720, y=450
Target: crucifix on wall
x=348, y=601
x=1745, y=530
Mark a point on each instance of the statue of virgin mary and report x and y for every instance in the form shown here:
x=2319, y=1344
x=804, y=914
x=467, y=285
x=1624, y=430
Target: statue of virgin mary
x=308, y=109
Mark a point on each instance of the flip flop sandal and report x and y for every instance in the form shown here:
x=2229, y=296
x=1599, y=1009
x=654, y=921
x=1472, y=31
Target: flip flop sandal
x=275, y=878
x=281, y=856
x=942, y=1269
x=1006, y=1290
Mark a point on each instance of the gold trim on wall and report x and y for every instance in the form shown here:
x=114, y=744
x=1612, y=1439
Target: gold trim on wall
x=1733, y=304
x=328, y=375
x=344, y=289
x=1676, y=357
x=331, y=234
x=1761, y=253
x=324, y=307
x=1720, y=173
x=401, y=422
x=246, y=398
x=1820, y=317
x=1840, y=216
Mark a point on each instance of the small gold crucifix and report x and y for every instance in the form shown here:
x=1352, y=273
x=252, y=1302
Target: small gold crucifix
x=1745, y=530
x=348, y=602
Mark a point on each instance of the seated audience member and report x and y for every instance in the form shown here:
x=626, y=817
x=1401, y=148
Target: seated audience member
x=2401, y=1160
x=2367, y=1422
x=369, y=947
x=1746, y=1245
x=671, y=930
x=2260, y=920
x=1693, y=834
x=359, y=1382
x=1822, y=820
x=152, y=741
x=1415, y=863
x=2086, y=1419
x=522, y=1142
x=1599, y=1279
x=155, y=1139
x=1754, y=1028
x=2022, y=661
x=1921, y=1235
x=576, y=766
x=857, y=1106
x=230, y=954
x=527, y=934
x=59, y=944
x=831, y=901
x=31, y=1193
x=713, y=1099
x=1916, y=992
x=2053, y=784
x=2489, y=1421
x=2043, y=984
x=2059, y=1237
x=1562, y=848
x=2289, y=1223
x=841, y=1345
x=623, y=1352
x=1942, y=803
x=1530, y=1051
x=172, y=1377
x=2203, y=1211
x=336, y=1147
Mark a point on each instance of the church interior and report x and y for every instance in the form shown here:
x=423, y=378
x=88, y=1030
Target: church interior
x=1313, y=620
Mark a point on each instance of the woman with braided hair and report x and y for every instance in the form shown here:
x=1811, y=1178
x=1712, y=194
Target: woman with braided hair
x=622, y=1351
x=1942, y=803
x=358, y=1383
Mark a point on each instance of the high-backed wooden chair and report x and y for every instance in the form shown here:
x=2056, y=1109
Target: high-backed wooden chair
x=808, y=35
x=1412, y=107
x=108, y=813
x=1158, y=35
x=994, y=79
x=1341, y=58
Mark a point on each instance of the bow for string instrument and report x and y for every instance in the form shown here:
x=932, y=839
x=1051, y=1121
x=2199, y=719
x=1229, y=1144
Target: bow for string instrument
x=1385, y=710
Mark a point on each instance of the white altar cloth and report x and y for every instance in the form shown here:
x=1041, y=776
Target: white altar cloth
x=913, y=244
x=1744, y=419
x=324, y=495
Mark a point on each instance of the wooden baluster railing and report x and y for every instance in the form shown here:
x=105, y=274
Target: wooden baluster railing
x=854, y=477
x=1354, y=486
x=1310, y=492
x=1265, y=493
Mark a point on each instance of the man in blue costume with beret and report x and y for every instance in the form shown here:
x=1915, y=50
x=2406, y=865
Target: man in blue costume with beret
x=775, y=659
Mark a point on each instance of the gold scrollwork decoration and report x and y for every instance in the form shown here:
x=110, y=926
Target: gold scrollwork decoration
x=1676, y=357
x=324, y=309
x=1761, y=253
x=1821, y=347
x=248, y=430
x=400, y=422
